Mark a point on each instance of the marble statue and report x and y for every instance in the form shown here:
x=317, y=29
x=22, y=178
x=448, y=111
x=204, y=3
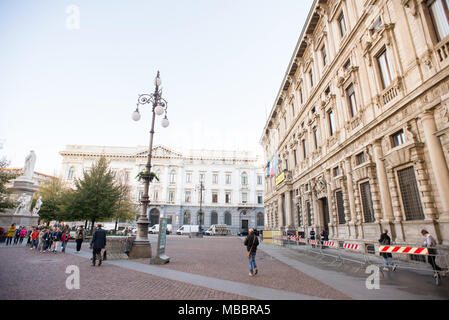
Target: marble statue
x=28, y=168
x=37, y=207
x=24, y=200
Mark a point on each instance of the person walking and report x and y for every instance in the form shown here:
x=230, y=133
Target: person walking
x=312, y=236
x=42, y=241
x=10, y=234
x=430, y=243
x=79, y=238
x=251, y=243
x=323, y=237
x=65, y=239
x=47, y=239
x=385, y=240
x=22, y=234
x=98, y=243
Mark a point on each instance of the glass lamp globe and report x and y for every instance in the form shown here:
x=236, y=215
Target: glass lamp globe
x=165, y=122
x=159, y=110
x=136, y=115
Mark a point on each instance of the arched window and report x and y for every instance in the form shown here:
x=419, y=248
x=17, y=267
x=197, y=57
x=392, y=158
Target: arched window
x=244, y=178
x=70, y=174
x=260, y=221
x=213, y=218
x=228, y=218
x=173, y=176
x=186, y=219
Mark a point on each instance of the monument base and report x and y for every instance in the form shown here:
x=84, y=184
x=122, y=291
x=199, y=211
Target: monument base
x=8, y=217
x=162, y=259
x=140, y=250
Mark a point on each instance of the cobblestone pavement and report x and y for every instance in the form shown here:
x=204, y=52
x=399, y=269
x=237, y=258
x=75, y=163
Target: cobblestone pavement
x=225, y=258
x=26, y=274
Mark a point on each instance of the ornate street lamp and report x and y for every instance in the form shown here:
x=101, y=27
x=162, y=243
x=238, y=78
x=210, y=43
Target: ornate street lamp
x=142, y=246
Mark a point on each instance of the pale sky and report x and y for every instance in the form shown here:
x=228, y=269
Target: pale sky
x=65, y=80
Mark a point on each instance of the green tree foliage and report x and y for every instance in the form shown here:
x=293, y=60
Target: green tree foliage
x=5, y=176
x=125, y=210
x=53, y=195
x=96, y=195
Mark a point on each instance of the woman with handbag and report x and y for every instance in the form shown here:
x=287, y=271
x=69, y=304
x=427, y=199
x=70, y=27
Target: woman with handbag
x=251, y=243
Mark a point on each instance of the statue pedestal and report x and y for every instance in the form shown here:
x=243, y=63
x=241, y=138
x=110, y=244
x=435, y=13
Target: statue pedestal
x=23, y=217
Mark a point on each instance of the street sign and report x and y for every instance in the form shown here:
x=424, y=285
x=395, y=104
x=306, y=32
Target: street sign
x=161, y=258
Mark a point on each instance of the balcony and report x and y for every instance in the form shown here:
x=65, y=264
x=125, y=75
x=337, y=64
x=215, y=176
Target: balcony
x=442, y=52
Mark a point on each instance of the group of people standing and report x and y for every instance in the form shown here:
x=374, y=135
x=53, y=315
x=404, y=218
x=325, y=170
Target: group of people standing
x=45, y=238
x=18, y=234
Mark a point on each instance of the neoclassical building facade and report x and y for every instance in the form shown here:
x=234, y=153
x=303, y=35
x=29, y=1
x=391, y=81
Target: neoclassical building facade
x=232, y=182
x=361, y=124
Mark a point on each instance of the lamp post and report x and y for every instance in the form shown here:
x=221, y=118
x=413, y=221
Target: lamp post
x=142, y=246
x=199, y=234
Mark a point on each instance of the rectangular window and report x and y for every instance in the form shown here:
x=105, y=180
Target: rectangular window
x=214, y=197
x=311, y=77
x=309, y=214
x=410, y=194
x=215, y=178
x=298, y=210
x=331, y=118
x=347, y=64
x=360, y=158
x=340, y=207
x=398, y=138
x=367, y=202
x=259, y=199
x=440, y=17
x=171, y=196
x=342, y=24
x=293, y=110
x=296, y=158
x=156, y=196
x=259, y=180
x=228, y=178
x=324, y=55
x=202, y=177
x=336, y=171
x=244, y=197
x=315, y=137
x=304, y=151
x=228, y=197
x=300, y=96
x=384, y=68
x=188, y=197
x=350, y=93
x=188, y=177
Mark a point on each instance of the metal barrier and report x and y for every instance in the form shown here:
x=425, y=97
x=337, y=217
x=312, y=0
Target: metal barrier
x=339, y=254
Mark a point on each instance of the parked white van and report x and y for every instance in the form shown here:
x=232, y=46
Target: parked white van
x=187, y=228
x=218, y=230
x=155, y=229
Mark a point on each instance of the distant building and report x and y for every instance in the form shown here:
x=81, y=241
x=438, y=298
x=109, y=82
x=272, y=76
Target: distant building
x=38, y=178
x=233, y=182
x=361, y=124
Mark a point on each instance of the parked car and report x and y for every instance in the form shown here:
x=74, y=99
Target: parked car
x=187, y=228
x=243, y=233
x=218, y=230
x=155, y=229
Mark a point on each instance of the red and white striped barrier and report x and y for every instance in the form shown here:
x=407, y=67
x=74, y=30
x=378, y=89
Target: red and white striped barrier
x=409, y=250
x=329, y=244
x=313, y=242
x=302, y=240
x=351, y=246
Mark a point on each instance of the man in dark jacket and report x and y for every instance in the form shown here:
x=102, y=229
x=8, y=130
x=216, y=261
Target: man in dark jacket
x=251, y=243
x=385, y=240
x=98, y=242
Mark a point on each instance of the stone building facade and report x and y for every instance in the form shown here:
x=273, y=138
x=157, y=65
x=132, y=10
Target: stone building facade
x=361, y=124
x=232, y=182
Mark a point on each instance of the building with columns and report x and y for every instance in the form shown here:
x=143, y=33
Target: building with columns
x=361, y=124
x=232, y=182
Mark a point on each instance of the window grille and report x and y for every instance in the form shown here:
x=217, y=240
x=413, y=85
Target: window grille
x=367, y=202
x=410, y=194
x=340, y=208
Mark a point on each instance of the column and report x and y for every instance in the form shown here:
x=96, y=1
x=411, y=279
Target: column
x=288, y=210
x=437, y=160
x=280, y=209
x=387, y=208
x=350, y=186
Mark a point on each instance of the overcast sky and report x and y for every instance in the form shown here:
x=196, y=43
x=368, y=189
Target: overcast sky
x=65, y=80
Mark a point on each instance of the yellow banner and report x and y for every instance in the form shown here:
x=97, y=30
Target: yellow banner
x=280, y=178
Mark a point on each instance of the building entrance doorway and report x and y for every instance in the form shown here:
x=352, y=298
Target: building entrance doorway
x=245, y=225
x=154, y=217
x=324, y=214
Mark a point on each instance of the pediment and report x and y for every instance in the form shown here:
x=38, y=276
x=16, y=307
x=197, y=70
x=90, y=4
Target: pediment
x=161, y=151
